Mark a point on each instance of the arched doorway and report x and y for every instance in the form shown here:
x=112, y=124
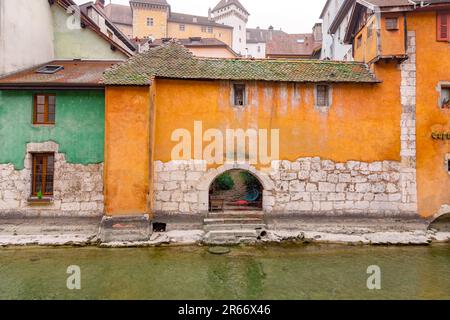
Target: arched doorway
x=236, y=190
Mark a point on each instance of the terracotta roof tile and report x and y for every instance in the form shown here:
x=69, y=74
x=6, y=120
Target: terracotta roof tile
x=174, y=61
x=401, y=3
x=82, y=72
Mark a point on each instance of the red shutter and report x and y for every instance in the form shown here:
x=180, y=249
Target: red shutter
x=443, y=26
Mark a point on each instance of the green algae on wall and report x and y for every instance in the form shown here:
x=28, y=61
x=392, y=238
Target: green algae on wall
x=79, y=128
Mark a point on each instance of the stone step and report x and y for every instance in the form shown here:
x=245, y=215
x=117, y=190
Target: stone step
x=236, y=214
x=215, y=221
x=230, y=241
x=216, y=227
x=236, y=236
x=239, y=233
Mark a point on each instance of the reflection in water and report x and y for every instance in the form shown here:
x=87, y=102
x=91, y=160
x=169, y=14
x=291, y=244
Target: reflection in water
x=273, y=272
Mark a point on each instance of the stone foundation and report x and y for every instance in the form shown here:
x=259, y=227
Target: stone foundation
x=78, y=189
x=306, y=186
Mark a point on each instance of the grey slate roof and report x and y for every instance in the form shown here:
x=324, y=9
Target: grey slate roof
x=225, y=3
x=191, y=19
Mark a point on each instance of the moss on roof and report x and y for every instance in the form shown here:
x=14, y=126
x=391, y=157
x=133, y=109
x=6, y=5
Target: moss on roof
x=172, y=60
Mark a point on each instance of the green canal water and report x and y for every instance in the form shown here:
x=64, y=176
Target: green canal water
x=290, y=272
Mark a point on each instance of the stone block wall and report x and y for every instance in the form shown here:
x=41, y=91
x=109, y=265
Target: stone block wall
x=78, y=189
x=306, y=186
x=175, y=186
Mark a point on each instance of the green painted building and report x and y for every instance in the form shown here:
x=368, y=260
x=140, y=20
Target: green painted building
x=78, y=129
x=52, y=132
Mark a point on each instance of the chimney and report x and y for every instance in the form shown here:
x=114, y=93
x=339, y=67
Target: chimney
x=270, y=32
x=100, y=4
x=209, y=14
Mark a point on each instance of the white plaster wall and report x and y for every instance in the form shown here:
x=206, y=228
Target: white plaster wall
x=26, y=34
x=253, y=50
x=234, y=21
x=333, y=46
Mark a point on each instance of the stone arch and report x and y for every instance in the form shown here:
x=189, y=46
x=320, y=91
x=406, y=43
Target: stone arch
x=441, y=220
x=205, y=182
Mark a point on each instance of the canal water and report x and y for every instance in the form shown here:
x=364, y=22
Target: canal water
x=293, y=272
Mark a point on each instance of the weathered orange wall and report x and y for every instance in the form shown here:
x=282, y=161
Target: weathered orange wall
x=368, y=49
x=393, y=42
x=349, y=131
x=127, y=150
x=382, y=42
x=433, y=66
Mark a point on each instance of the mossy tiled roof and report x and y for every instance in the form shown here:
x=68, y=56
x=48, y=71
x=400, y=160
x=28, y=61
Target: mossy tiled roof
x=172, y=60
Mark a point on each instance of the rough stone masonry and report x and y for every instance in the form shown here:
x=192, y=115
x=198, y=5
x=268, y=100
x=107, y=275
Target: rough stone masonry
x=78, y=189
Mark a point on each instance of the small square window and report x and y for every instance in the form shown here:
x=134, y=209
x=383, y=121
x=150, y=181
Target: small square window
x=391, y=24
x=150, y=22
x=182, y=27
x=210, y=30
x=444, y=99
x=322, y=96
x=239, y=95
x=42, y=174
x=44, y=109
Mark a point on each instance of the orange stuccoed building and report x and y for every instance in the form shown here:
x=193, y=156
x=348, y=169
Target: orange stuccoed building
x=365, y=139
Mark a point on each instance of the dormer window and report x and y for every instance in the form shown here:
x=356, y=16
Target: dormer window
x=239, y=94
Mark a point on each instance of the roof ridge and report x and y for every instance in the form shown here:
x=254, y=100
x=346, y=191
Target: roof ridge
x=173, y=60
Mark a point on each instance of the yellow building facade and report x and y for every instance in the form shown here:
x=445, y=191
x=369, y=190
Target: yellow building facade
x=153, y=20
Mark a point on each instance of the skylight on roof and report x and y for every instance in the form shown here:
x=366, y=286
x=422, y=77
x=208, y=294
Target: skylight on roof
x=49, y=69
